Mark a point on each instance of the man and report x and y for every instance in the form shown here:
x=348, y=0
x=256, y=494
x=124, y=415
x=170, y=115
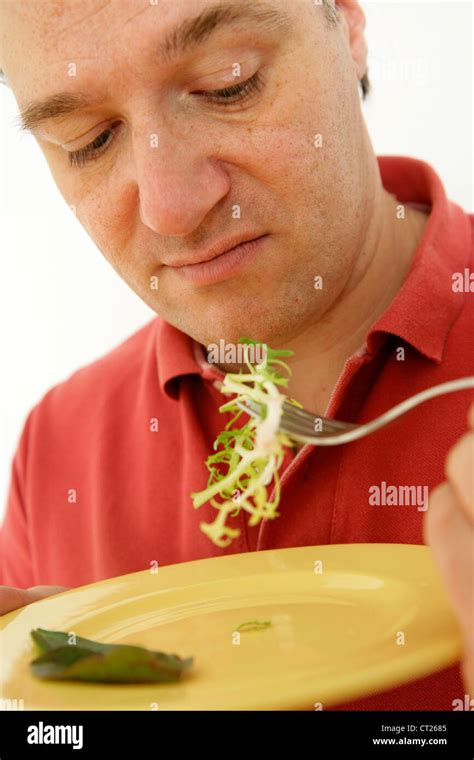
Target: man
x=179, y=131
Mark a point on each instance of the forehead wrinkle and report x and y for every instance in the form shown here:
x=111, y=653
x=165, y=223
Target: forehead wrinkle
x=77, y=22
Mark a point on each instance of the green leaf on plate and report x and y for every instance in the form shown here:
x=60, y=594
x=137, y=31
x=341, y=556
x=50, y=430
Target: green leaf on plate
x=253, y=625
x=87, y=660
x=47, y=640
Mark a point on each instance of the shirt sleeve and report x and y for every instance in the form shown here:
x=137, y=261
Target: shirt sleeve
x=15, y=550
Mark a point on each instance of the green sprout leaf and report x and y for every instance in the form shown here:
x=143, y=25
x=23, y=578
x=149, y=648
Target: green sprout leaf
x=246, y=461
x=87, y=660
x=253, y=625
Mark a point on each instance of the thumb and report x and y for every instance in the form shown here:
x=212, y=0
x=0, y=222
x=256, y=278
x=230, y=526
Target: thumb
x=39, y=592
x=12, y=598
x=470, y=416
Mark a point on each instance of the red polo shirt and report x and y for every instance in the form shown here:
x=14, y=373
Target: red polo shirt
x=97, y=491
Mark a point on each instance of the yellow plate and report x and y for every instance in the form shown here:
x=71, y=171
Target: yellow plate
x=339, y=615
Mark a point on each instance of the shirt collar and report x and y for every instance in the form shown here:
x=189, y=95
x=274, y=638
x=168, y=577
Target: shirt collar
x=177, y=355
x=424, y=308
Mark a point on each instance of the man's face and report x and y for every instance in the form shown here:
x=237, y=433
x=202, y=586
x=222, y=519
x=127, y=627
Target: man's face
x=179, y=168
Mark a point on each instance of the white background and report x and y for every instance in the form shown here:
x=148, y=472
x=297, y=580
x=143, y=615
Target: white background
x=61, y=305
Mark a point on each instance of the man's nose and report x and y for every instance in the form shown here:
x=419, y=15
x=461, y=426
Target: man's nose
x=178, y=185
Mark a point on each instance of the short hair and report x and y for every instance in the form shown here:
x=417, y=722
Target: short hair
x=332, y=17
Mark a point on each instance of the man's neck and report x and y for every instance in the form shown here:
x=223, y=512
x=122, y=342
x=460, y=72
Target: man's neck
x=321, y=352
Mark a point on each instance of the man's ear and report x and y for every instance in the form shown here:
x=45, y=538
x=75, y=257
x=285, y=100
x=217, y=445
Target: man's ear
x=352, y=19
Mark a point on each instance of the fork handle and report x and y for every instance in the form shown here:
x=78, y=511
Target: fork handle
x=462, y=383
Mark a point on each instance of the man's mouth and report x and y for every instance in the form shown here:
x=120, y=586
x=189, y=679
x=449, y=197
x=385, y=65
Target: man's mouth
x=220, y=262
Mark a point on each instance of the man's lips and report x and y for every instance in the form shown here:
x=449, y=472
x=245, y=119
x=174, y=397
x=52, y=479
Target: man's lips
x=200, y=257
x=221, y=262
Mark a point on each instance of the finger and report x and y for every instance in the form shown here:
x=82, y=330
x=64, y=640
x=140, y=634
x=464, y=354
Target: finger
x=12, y=598
x=40, y=592
x=470, y=416
x=460, y=472
x=451, y=536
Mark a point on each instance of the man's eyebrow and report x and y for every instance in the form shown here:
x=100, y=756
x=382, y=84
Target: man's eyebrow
x=61, y=104
x=189, y=34
x=193, y=32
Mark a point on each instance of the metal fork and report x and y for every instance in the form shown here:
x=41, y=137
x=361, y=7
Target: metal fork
x=306, y=427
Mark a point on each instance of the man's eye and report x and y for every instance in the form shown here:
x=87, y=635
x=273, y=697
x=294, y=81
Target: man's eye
x=224, y=96
x=235, y=93
x=94, y=149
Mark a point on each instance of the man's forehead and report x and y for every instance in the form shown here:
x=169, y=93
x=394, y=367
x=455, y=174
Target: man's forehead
x=56, y=26
x=89, y=31
x=63, y=27
x=184, y=25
